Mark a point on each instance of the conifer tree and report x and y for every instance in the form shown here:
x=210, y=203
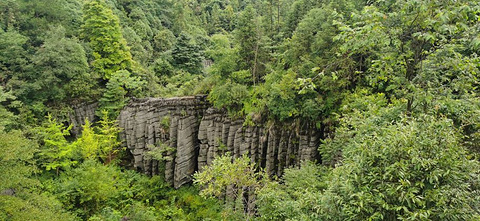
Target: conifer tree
x=102, y=29
x=187, y=55
x=246, y=37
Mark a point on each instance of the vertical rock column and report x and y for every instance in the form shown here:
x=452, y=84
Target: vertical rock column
x=81, y=113
x=186, y=155
x=170, y=162
x=308, y=143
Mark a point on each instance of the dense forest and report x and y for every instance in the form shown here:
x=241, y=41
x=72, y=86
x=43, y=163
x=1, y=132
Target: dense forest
x=394, y=84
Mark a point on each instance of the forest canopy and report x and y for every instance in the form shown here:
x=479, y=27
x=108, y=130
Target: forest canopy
x=393, y=84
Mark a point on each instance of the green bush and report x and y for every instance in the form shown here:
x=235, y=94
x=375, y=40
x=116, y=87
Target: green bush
x=415, y=168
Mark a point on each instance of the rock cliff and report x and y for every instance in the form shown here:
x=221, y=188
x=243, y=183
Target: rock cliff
x=80, y=114
x=197, y=133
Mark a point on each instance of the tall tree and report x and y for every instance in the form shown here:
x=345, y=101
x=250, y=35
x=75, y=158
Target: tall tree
x=118, y=89
x=102, y=30
x=56, y=152
x=13, y=55
x=187, y=55
x=428, y=55
x=7, y=118
x=251, y=42
x=62, y=69
x=395, y=167
x=9, y=11
x=246, y=37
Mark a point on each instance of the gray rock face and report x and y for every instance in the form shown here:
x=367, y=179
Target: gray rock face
x=80, y=113
x=8, y=192
x=199, y=133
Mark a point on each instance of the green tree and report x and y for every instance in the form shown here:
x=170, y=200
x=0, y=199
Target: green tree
x=88, y=144
x=312, y=39
x=20, y=197
x=56, y=152
x=162, y=68
x=163, y=41
x=87, y=188
x=239, y=174
x=32, y=206
x=397, y=167
x=120, y=86
x=224, y=56
x=247, y=39
x=102, y=30
x=13, y=56
x=17, y=163
x=296, y=196
x=227, y=18
x=7, y=118
x=429, y=55
x=295, y=15
x=141, y=50
x=9, y=11
x=187, y=55
x=230, y=95
x=108, y=131
x=100, y=142
x=62, y=69
x=431, y=61
x=36, y=17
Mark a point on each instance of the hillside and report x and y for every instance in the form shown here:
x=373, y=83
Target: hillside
x=239, y=110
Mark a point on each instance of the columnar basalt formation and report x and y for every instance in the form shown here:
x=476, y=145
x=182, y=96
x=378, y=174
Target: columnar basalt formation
x=197, y=133
x=80, y=114
x=148, y=123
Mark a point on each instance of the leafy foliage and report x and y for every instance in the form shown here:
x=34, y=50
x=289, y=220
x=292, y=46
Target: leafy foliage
x=297, y=197
x=60, y=60
x=186, y=55
x=391, y=85
x=6, y=116
x=409, y=169
x=238, y=174
x=88, y=186
x=119, y=87
x=17, y=161
x=20, y=198
x=223, y=172
x=30, y=206
x=57, y=153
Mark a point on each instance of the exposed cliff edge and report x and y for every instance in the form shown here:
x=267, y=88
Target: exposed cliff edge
x=197, y=133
